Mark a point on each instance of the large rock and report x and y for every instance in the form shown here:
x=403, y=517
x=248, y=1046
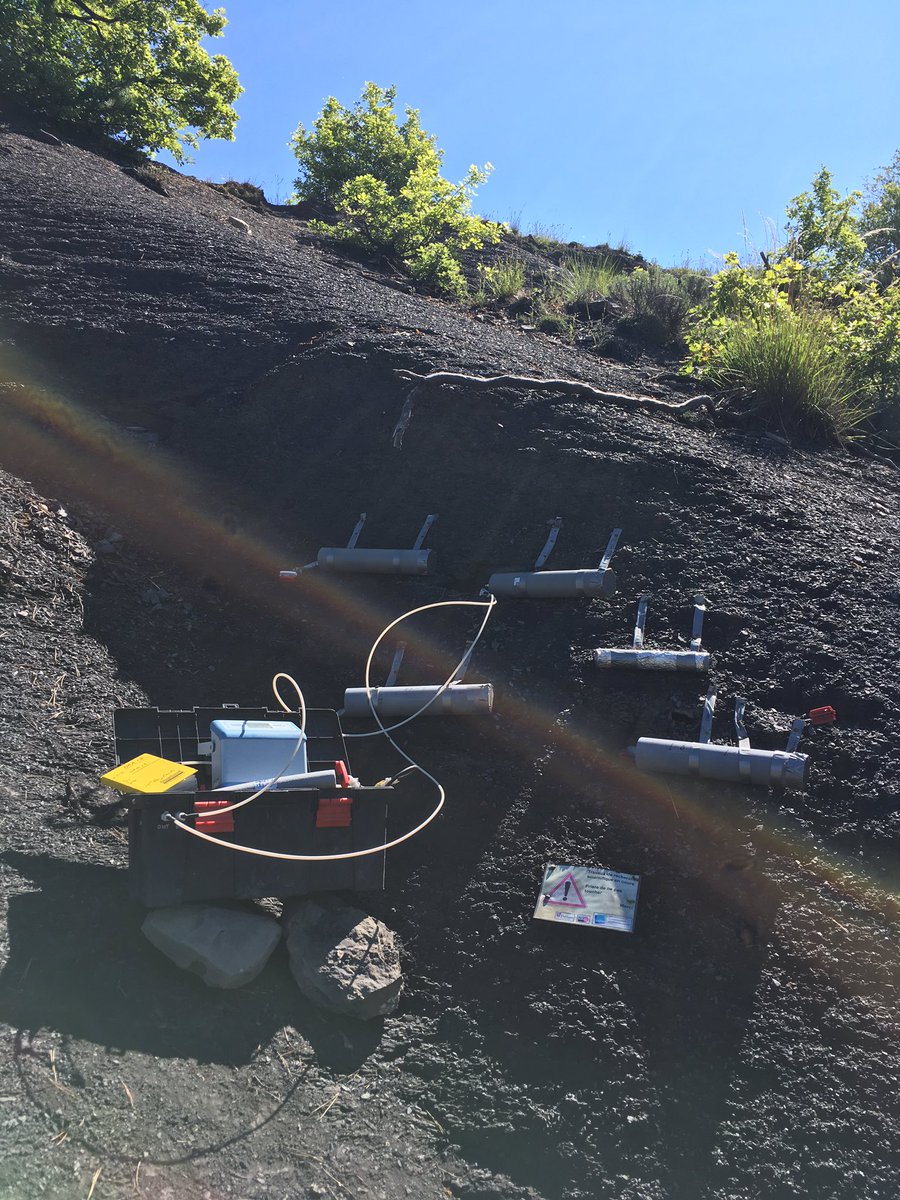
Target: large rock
x=224, y=946
x=342, y=958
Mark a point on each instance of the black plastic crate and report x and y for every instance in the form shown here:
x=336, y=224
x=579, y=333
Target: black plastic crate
x=169, y=866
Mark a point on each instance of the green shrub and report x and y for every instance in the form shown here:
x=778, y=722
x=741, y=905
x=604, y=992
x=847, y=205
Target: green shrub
x=550, y=318
x=783, y=361
x=136, y=72
x=695, y=284
x=555, y=322
x=739, y=291
x=250, y=193
x=384, y=181
x=815, y=331
x=657, y=303
x=864, y=328
x=504, y=280
x=857, y=326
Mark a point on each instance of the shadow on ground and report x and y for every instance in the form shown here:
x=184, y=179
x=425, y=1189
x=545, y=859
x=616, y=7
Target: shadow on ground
x=79, y=965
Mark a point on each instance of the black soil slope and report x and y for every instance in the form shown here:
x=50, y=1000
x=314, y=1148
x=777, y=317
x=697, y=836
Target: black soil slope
x=741, y=1044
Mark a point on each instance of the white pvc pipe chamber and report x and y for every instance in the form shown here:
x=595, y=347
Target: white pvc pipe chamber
x=458, y=700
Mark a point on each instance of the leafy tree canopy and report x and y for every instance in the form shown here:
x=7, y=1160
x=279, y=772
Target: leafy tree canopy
x=823, y=230
x=383, y=177
x=131, y=69
x=364, y=140
x=880, y=223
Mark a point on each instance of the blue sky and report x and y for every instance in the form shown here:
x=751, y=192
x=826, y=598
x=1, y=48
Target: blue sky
x=670, y=126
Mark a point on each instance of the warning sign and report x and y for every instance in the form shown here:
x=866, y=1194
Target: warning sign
x=588, y=896
x=566, y=892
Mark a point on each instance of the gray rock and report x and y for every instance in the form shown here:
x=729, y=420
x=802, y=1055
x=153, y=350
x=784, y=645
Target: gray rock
x=239, y=224
x=224, y=946
x=342, y=958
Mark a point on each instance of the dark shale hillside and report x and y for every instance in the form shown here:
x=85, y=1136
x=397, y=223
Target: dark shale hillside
x=195, y=403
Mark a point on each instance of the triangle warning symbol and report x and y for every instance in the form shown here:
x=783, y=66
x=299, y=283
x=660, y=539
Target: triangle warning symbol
x=566, y=892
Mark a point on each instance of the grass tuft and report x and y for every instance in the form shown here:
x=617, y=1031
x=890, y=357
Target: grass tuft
x=505, y=280
x=783, y=362
x=583, y=280
x=548, y=237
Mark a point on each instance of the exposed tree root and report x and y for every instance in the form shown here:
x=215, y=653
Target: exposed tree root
x=865, y=452
x=570, y=386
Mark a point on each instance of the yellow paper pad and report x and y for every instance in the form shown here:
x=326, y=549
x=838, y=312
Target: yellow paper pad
x=147, y=775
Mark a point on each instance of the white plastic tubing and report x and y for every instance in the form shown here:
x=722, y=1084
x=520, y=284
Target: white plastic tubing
x=177, y=819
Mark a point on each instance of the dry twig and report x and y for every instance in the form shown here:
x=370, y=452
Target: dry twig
x=323, y=1109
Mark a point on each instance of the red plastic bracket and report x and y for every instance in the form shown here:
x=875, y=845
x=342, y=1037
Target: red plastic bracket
x=208, y=820
x=335, y=812
x=822, y=716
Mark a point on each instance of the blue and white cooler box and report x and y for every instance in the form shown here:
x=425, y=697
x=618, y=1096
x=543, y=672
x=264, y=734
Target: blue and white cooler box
x=245, y=751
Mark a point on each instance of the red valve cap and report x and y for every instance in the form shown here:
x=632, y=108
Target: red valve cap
x=822, y=716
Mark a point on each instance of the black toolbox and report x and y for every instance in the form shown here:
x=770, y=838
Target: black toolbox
x=169, y=866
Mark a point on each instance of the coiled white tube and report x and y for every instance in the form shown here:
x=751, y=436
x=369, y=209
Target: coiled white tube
x=175, y=819
x=284, y=770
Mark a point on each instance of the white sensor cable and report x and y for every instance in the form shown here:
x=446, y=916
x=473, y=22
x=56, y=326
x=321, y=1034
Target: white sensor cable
x=180, y=823
x=370, y=691
x=284, y=770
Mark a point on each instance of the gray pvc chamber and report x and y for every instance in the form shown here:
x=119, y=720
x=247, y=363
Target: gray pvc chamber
x=458, y=700
x=374, y=562
x=762, y=768
x=548, y=584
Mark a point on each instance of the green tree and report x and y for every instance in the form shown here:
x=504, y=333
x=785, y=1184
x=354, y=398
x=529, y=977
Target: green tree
x=383, y=178
x=823, y=230
x=880, y=223
x=134, y=70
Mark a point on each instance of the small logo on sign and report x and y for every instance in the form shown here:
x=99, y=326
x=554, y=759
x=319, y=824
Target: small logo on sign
x=564, y=916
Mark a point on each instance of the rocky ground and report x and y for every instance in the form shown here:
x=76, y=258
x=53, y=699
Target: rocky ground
x=196, y=406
